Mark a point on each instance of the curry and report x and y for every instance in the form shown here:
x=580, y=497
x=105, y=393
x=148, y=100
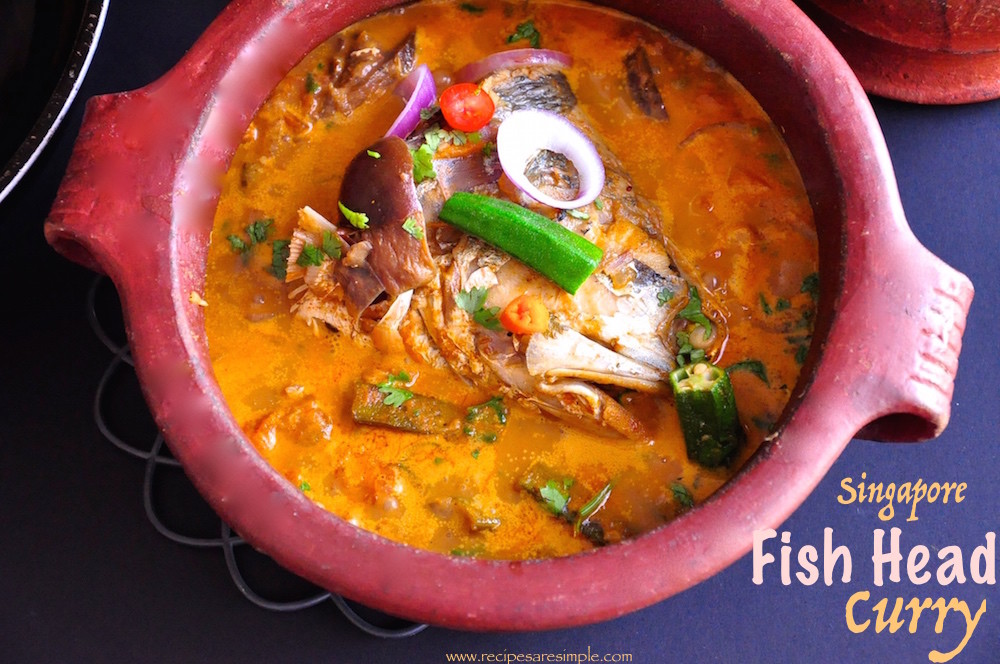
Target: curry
x=482, y=356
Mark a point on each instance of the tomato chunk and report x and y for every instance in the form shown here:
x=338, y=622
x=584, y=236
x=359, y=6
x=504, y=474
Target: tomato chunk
x=525, y=314
x=466, y=107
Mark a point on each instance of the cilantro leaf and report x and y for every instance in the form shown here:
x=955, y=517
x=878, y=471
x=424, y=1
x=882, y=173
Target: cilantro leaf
x=429, y=112
x=764, y=306
x=423, y=164
x=373, y=154
x=488, y=318
x=259, y=229
x=664, y=296
x=811, y=285
x=238, y=244
x=331, y=245
x=471, y=8
x=526, y=30
x=312, y=86
x=554, y=497
x=356, y=219
x=473, y=301
x=682, y=495
x=413, y=228
x=395, y=395
x=311, y=255
x=692, y=311
x=279, y=258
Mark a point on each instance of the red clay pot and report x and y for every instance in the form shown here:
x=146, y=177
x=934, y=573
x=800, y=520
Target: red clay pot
x=926, y=51
x=138, y=200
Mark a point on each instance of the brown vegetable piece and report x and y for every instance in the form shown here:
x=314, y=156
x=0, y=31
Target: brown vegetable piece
x=382, y=188
x=642, y=85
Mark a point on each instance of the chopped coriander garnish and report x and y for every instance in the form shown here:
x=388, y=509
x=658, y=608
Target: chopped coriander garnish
x=765, y=307
x=475, y=453
x=664, y=296
x=413, y=228
x=259, y=229
x=373, y=154
x=555, y=496
x=238, y=243
x=394, y=394
x=311, y=255
x=578, y=214
x=472, y=301
x=356, y=219
x=801, y=353
x=781, y=304
x=756, y=367
x=331, y=245
x=429, y=112
x=598, y=203
x=692, y=311
x=471, y=8
x=682, y=495
x=495, y=404
x=279, y=258
x=304, y=486
x=526, y=30
x=401, y=377
x=489, y=149
x=811, y=285
x=433, y=138
x=312, y=86
x=423, y=164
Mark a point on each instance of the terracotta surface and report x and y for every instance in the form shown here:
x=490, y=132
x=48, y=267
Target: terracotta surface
x=137, y=203
x=925, y=51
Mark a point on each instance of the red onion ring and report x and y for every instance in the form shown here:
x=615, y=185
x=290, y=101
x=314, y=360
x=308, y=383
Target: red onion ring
x=523, y=133
x=419, y=90
x=518, y=57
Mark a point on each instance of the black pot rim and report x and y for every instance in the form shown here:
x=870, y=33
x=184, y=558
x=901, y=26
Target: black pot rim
x=58, y=104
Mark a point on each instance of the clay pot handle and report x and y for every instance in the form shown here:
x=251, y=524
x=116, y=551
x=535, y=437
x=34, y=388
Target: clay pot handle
x=112, y=210
x=907, y=336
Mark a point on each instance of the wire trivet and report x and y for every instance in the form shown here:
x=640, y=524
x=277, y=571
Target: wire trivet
x=157, y=457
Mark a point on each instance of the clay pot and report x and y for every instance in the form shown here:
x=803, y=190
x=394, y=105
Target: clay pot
x=926, y=51
x=138, y=201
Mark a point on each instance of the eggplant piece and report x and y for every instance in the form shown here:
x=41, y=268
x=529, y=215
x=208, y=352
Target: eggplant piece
x=642, y=84
x=382, y=188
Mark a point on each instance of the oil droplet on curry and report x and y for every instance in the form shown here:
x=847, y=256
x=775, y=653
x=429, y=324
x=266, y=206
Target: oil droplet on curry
x=420, y=381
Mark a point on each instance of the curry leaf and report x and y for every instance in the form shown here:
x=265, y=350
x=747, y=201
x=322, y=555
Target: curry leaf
x=279, y=258
x=756, y=367
x=692, y=311
x=526, y=30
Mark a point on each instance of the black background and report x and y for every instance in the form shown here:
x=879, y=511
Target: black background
x=84, y=577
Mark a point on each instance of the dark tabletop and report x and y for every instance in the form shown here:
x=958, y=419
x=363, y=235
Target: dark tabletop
x=86, y=577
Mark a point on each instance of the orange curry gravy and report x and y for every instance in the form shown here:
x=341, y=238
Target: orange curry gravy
x=732, y=202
